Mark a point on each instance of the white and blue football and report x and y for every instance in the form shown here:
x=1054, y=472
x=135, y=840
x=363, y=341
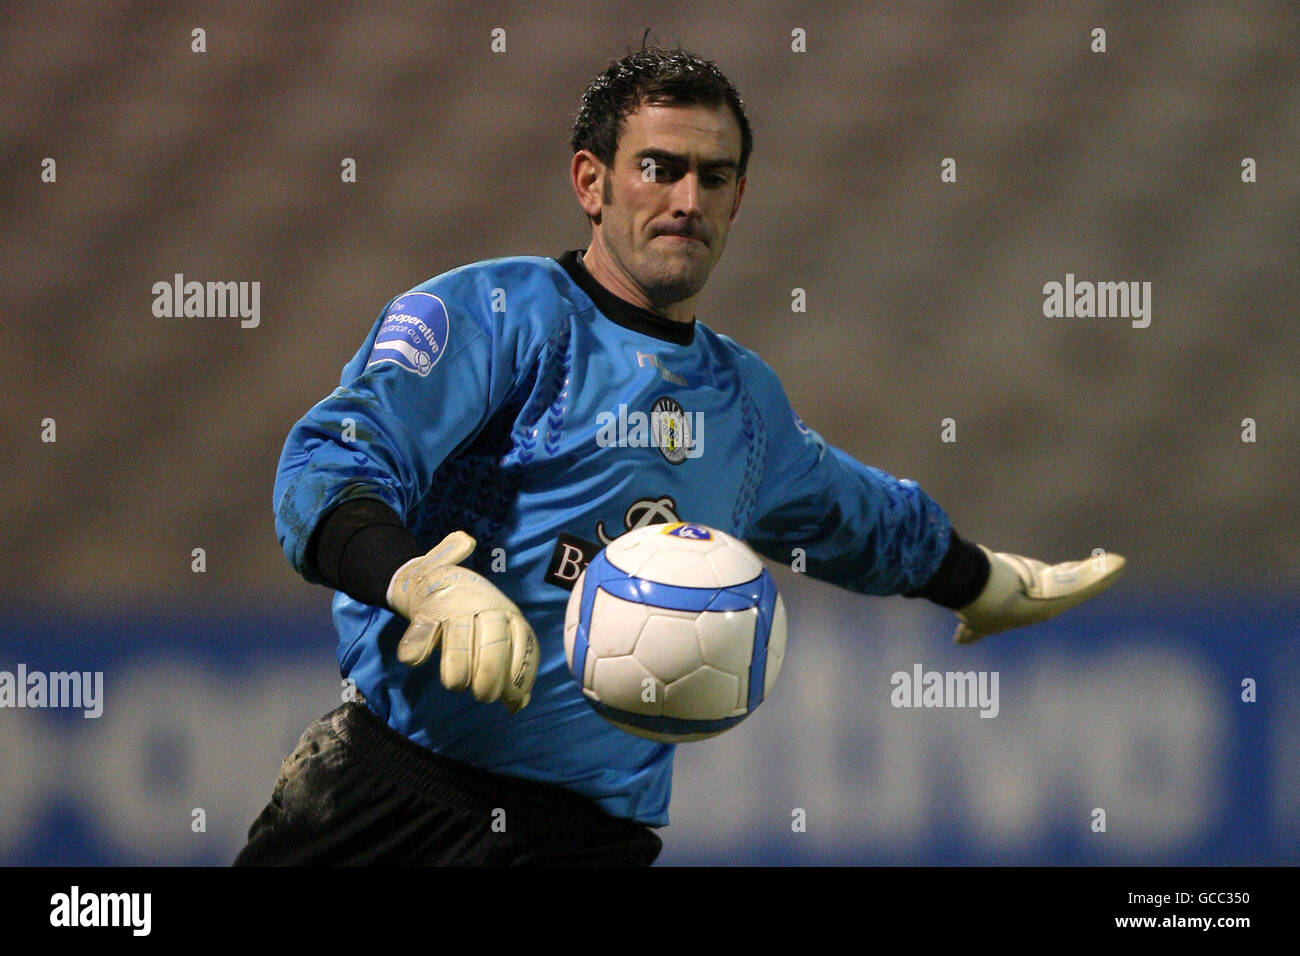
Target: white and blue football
x=676, y=632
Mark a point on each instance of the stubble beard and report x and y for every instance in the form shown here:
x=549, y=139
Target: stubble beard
x=667, y=278
x=670, y=279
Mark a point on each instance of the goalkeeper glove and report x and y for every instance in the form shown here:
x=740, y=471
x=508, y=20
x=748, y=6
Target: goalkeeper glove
x=487, y=645
x=1024, y=591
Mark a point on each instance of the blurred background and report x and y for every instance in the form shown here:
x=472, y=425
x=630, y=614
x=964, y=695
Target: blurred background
x=924, y=303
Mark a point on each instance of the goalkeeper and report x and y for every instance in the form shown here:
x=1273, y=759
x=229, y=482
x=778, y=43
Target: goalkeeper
x=453, y=486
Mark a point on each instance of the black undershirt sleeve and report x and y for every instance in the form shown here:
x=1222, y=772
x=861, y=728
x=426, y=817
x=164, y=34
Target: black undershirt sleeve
x=961, y=576
x=357, y=547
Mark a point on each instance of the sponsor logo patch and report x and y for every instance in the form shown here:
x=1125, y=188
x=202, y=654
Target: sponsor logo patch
x=570, y=557
x=413, y=334
x=687, y=529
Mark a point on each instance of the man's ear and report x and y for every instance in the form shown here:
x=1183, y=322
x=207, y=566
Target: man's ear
x=740, y=191
x=587, y=174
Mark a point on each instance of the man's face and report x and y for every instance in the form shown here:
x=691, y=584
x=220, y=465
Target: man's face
x=670, y=197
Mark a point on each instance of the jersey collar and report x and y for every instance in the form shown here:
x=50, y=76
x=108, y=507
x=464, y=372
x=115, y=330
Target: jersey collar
x=620, y=311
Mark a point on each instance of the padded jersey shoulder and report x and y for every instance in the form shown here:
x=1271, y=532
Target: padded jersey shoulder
x=507, y=295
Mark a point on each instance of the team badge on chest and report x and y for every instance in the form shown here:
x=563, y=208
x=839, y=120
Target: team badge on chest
x=677, y=434
x=671, y=430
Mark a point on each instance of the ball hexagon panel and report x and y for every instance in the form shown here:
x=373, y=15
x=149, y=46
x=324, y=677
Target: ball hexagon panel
x=681, y=568
x=621, y=683
x=704, y=694
x=621, y=625
x=669, y=645
x=733, y=565
x=718, y=641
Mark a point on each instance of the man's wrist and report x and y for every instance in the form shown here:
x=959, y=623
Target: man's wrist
x=961, y=576
x=359, y=546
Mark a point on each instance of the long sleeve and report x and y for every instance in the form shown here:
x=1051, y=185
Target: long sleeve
x=432, y=371
x=858, y=527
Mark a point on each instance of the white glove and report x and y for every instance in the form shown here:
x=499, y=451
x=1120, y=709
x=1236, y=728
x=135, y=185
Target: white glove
x=1024, y=591
x=487, y=645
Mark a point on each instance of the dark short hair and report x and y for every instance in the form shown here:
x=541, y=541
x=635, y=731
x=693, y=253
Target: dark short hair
x=653, y=75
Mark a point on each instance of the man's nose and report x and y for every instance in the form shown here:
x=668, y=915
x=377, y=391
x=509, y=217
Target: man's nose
x=686, y=197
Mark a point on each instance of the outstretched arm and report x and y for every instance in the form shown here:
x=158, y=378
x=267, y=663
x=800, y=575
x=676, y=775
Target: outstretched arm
x=866, y=530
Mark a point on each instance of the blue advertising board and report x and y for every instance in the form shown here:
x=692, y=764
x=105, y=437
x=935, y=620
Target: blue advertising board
x=1124, y=732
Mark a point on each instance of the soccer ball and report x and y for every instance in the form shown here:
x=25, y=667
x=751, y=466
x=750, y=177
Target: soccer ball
x=676, y=632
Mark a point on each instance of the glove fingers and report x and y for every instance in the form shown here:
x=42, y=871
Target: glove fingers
x=1049, y=590
x=524, y=653
x=487, y=645
x=453, y=549
x=1076, y=581
x=415, y=580
x=492, y=654
x=457, y=651
x=418, y=643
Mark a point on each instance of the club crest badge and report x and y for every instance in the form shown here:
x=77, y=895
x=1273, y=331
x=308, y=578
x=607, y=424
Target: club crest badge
x=670, y=427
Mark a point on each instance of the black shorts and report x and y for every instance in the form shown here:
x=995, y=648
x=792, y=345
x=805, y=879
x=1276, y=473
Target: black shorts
x=356, y=792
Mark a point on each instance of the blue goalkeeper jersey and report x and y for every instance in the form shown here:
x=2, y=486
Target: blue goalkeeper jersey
x=519, y=400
